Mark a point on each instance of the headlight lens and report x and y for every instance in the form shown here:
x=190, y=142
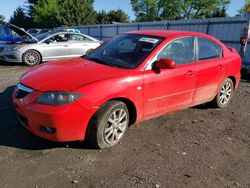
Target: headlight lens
x=17, y=47
x=58, y=98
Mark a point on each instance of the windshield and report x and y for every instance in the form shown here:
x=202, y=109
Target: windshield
x=125, y=51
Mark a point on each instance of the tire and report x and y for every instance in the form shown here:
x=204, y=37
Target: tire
x=225, y=94
x=105, y=128
x=31, y=58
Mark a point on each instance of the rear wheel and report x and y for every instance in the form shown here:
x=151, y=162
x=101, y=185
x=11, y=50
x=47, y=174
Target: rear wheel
x=31, y=58
x=108, y=125
x=225, y=94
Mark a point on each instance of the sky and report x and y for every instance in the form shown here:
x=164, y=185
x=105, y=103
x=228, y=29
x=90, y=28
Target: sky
x=8, y=7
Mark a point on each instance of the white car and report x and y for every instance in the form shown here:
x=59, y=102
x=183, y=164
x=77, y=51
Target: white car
x=48, y=46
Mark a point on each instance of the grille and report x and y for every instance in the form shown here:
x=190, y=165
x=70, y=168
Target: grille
x=22, y=91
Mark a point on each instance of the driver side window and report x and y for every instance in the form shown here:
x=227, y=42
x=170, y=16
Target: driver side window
x=59, y=38
x=180, y=50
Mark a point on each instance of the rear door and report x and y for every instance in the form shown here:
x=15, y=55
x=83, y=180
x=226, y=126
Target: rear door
x=210, y=69
x=80, y=44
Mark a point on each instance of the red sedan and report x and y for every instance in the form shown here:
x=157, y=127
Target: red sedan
x=133, y=77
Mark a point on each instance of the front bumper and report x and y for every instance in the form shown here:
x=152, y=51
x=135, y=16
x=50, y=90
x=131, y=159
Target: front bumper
x=11, y=56
x=55, y=123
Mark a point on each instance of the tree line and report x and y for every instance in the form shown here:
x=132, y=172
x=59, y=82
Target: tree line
x=54, y=13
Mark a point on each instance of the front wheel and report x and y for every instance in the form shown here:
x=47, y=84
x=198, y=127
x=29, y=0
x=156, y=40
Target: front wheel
x=108, y=125
x=31, y=58
x=225, y=94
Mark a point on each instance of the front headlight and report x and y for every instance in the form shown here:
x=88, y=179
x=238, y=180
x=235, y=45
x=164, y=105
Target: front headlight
x=11, y=48
x=17, y=47
x=58, y=98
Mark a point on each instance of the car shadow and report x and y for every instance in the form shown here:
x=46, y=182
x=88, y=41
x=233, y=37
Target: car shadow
x=4, y=63
x=14, y=135
x=245, y=76
x=204, y=106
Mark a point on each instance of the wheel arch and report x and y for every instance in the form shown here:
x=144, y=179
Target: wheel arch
x=233, y=79
x=33, y=50
x=131, y=108
x=130, y=105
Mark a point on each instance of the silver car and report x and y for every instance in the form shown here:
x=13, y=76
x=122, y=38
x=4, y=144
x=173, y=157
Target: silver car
x=49, y=46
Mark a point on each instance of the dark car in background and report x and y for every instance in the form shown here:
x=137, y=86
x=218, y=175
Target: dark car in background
x=36, y=31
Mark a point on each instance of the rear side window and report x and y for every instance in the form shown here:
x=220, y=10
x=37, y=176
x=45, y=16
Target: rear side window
x=75, y=37
x=208, y=49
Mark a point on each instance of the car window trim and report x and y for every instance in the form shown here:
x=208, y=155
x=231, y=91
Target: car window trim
x=153, y=59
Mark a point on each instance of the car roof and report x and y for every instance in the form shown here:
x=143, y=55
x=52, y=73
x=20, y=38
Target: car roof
x=166, y=33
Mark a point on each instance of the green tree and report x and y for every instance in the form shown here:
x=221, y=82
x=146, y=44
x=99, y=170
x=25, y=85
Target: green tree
x=112, y=16
x=30, y=6
x=197, y=9
x=222, y=10
x=118, y=16
x=102, y=17
x=2, y=18
x=46, y=13
x=169, y=9
x=76, y=12
x=19, y=18
x=145, y=10
x=153, y=10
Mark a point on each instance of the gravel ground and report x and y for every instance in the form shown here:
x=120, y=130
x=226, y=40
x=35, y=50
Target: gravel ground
x=196, y=147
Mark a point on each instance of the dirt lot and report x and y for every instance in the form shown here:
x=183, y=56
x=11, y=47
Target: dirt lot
x=197, y=147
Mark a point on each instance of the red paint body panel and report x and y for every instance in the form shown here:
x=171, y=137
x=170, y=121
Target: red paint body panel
x=169, y=90
x=69, y=74
x=152, y=93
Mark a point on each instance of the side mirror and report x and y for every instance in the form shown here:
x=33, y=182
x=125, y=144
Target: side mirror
x=164, y=63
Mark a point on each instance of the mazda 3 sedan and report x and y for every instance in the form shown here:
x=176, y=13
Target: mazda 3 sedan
x=133, y=77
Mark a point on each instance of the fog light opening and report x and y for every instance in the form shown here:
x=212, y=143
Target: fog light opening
x=48, y=130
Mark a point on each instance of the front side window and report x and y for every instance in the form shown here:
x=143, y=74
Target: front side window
x=180, y=50
x=208, y=49
x=125, y=51
x=60, y=38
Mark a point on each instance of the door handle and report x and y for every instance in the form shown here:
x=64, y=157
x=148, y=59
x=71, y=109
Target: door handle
x=65, y=45
x=220, y=67
x=189, y=73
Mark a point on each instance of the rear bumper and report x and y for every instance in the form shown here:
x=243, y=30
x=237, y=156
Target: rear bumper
x=55, y=123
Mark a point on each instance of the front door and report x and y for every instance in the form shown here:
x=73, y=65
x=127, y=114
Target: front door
x=171, y=89
x=57, y=48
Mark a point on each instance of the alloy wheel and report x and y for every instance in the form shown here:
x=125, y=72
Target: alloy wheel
x=225, y=93
x=115, y=126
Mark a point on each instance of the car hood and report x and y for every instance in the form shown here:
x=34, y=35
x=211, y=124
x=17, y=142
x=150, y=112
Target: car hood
x=20, y=31
x=68, y=74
